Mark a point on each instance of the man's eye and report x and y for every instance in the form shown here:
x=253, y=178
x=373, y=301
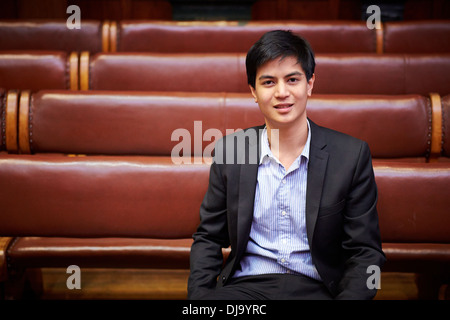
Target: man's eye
x=293, y=80
x=267, y=82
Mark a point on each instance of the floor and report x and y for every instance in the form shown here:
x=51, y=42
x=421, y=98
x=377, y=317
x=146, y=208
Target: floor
x=170, y=285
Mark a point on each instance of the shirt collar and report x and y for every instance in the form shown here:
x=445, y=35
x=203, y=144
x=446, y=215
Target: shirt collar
x=266, y=153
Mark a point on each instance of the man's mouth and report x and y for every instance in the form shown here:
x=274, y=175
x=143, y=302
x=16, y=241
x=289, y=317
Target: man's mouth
x=283, y=106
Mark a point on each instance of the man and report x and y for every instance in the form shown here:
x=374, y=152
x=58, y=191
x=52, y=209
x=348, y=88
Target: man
x=301, y=220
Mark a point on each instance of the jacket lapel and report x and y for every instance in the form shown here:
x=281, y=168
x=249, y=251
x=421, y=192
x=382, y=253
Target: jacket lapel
x=248, y=173
x=316, y=173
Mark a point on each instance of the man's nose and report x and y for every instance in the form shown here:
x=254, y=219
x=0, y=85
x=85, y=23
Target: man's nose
x=281, y=90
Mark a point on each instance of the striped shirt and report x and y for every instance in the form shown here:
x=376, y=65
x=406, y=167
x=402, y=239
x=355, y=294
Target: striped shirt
x=278, y=242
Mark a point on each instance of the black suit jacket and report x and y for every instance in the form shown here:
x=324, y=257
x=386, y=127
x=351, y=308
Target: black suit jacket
x=341, y=215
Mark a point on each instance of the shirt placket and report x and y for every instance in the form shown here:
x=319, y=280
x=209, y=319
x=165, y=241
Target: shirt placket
x=284, y=212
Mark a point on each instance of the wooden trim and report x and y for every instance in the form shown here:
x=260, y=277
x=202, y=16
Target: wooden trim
x=84, y=70
x=380, y=37
x=105, y=35
x=436, y=126
x=113, y=37
x=74, y=65
x=24, y=123
x=11, y=121
x=4, y=244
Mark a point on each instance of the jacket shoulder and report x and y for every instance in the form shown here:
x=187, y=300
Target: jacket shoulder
x=333, y=137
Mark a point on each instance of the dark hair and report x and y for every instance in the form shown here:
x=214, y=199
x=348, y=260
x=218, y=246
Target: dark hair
x=279, y=44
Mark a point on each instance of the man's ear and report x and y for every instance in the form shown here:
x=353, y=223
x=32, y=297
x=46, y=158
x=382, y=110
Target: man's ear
x=311, y=84
x=253, y=92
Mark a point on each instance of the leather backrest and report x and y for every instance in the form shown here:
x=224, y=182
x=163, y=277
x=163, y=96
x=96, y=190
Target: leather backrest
x=151, y=197
x=446, y=125
x=2, y=119
x=335, y=73
x=50, y=35
x=200, y=37
x=394, y=126
x=382, y=74
x=413, y=202
x=34, y=70
x=432, y=36
x=104, y=122
x=168, y=72
x=123, y=122
x=48, y=195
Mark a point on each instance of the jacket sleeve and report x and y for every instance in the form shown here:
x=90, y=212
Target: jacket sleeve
x=361, y=242
x=206, y=258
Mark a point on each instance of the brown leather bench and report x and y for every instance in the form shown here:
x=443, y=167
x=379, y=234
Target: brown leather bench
x=335, y=73
x=325, y=36
x=413, y=208
x=38, y=70
x=332, y=36
x=2, y=119
x=144, y=123
x=426, y=36
x=117, y=206
x=53, y=35
x=383, y=74
x=236, y=37
x=445, y=126
x=96, y=207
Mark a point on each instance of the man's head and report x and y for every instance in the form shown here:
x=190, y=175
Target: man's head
x=280, y=71
x=279, y=44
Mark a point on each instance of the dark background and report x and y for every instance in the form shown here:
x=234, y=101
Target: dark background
x=225, y=9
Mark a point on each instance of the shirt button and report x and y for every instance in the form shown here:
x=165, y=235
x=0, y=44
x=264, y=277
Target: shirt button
x=283, y=213
x=284, y=181
x=282, y=260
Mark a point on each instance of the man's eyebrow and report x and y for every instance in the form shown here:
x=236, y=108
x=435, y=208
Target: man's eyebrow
x=296, y=73
x=266, y=76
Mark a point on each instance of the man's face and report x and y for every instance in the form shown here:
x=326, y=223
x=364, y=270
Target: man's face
x=281, y=91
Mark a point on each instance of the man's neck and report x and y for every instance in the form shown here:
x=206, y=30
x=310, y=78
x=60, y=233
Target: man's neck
x=287, y=143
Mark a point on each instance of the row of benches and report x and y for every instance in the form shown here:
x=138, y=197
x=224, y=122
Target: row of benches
x=221, y=36
x=101, y=187
x=414, y=128
x=335, y=73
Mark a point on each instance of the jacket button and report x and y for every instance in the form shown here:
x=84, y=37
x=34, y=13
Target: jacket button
x=223, y=278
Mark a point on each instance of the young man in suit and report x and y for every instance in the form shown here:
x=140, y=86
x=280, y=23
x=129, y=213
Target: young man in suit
x=295, y=201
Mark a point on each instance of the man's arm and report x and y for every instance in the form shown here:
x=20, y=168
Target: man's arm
x=206, y=258
x=362, y=242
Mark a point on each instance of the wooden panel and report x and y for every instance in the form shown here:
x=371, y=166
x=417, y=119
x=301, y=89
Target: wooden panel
x=90, y=9
x=44, y=9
